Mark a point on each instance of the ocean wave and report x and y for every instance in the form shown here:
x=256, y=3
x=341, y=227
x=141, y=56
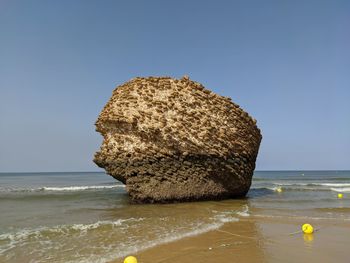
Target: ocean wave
x=50, y=238
x=230, y=215
x=313, y=184
x=304, y=187
x=59, y=188
x=244, y=212
x=275, y=188
x=335, y=184
x=81, y=188
x=292, y=184
x=341, y=189
x=303, y=218
x=225, y=217
x=27, y=235
x=170, y=237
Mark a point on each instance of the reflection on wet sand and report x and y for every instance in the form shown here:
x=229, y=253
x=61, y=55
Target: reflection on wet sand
x=261, y=234
x=234, y=242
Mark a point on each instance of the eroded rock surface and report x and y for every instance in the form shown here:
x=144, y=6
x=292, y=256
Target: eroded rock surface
x=172, y=140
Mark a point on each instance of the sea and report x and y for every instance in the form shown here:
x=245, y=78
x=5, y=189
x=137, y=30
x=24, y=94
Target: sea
x=88, y=217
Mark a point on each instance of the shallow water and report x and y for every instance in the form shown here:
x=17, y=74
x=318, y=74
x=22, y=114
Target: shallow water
x=86, y=217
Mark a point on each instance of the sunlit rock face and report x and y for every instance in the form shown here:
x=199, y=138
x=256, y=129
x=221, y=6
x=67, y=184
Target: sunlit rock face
x=172, y=140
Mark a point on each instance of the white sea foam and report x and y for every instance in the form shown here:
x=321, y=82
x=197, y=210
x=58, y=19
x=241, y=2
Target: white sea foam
x=311, y=184
x=335, y=184
x=120, y=249
x=302, y=217
x=245, y=212
x=225, y=217
x=341, y=189
x=314, y=184
x=24, y=235
x=30, y=235
x=231, y=215
x=275, y=188
x=61, y=188
x=228, y=219
x=170, y=237
x=290, y=184
x=80, y=188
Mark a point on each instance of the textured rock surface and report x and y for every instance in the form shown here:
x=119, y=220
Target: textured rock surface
x=173, y=140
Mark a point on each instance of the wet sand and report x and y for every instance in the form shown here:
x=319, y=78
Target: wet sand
x=258, y=240
x=97, y=223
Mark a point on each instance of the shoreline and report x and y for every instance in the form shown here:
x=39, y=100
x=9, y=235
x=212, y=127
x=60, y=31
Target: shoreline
x=97, y=223
x=253, y=239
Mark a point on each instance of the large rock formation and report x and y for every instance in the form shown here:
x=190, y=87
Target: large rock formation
x=173, y=140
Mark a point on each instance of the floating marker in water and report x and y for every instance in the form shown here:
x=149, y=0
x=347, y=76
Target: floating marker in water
x=307, y=229
x=279, y=190
x=130, y=259
x=340, y=196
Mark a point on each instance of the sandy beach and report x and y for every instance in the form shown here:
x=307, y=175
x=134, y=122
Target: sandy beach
x=258, y=240
x=87, y=217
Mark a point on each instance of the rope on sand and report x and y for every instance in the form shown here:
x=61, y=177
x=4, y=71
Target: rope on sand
x=316, y=230
x=232, y=234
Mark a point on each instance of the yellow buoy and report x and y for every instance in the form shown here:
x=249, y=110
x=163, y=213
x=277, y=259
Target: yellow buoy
x=307, y=229
x=130, y=259
x=340, y=196
x=279, y=190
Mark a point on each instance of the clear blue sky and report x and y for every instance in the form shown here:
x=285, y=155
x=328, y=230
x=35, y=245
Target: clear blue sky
x=285, y=62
